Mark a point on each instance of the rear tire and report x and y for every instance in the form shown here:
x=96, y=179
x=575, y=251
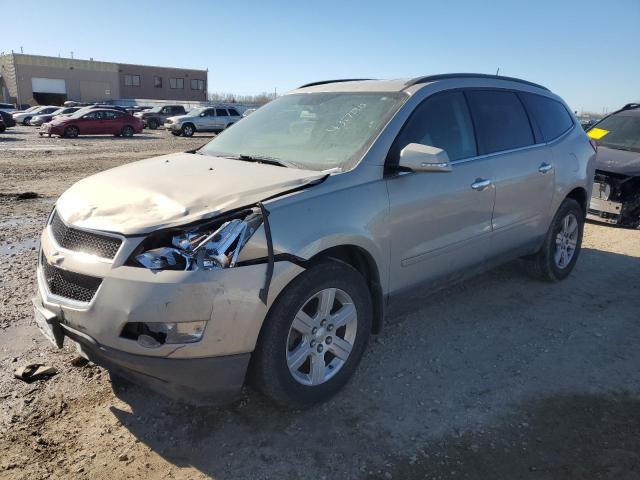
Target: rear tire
x=26, y=121
x=71, y=132
x=127, y=131
x=562, y=243
x=153, y=124
x=296, y=369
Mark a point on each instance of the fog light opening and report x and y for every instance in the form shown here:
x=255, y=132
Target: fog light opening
x=155, y=334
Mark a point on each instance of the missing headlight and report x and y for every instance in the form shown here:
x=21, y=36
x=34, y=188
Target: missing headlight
x=207, y=246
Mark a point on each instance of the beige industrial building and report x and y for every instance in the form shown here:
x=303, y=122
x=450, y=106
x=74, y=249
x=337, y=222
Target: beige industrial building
x=36, y=79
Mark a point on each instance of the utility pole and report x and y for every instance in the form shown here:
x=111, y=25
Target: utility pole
x=498, y=72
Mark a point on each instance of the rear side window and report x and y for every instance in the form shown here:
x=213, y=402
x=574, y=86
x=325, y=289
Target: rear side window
x=234, y=112
x=550, y=115
x=441, y=121
x=500, y=119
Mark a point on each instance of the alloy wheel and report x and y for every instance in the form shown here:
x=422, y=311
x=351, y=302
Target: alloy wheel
x=566, y=241
x=321, y=336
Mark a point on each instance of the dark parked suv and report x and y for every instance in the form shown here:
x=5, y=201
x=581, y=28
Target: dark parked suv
x=156, y=116
x=7, y=119
x=615, y=198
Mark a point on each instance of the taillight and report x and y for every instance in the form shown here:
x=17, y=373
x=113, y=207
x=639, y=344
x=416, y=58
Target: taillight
x=594, y=145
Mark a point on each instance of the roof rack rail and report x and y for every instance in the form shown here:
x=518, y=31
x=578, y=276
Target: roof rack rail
x=313, y=84
x=446, y=76
x=629, y=106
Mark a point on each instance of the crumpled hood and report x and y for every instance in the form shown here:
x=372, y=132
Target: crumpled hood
x=173, y=190
x=618, y=161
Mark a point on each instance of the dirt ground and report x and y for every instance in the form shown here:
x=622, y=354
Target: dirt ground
x=499, y=377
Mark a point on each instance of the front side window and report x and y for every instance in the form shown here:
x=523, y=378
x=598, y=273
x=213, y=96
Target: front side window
x=221, y=112
x=176, y=83
x=622, y=131
x=550, y=115
x=441, y=121
x=500, y=119
x=315, y=131
x=132, y=80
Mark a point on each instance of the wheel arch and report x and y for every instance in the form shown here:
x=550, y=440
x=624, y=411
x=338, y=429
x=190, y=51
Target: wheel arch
x=362, y=261
x=579, y=194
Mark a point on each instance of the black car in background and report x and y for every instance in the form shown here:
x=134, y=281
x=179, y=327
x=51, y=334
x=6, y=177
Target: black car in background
x=615, y=198
x=7, y=118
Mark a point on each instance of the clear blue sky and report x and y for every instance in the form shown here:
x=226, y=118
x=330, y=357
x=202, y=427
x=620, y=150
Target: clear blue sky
x=588, y=51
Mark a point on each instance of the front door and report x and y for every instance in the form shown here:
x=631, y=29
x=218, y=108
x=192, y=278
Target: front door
x=440, y=221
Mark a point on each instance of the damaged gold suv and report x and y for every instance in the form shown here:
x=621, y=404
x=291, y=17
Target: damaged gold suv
x=272, y=253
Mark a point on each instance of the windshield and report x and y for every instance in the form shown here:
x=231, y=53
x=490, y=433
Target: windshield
x=195, y=112
x=154, y=109
x=623, y=132
x=60, y=110
x=315, y=131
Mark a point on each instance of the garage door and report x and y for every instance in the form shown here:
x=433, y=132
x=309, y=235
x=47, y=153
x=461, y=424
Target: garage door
x=48, y=85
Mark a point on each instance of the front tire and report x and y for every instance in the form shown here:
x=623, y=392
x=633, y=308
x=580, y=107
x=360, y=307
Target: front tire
x=26, y=121
x=314, y=336
x=153, y=124
x=561, y=248
x=71, y=132
x=188, y=130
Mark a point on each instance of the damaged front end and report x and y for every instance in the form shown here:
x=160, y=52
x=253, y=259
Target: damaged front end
x=615, y=199
x=208, y=245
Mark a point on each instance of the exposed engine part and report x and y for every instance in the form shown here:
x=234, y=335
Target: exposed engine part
x=615, y=199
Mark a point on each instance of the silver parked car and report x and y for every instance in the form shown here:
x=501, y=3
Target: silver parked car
x=206, y=119
x=272, y=253
x=26, y=116
x=39, y=119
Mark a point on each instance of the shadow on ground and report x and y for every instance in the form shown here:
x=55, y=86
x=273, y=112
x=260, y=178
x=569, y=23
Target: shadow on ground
x=499, y=377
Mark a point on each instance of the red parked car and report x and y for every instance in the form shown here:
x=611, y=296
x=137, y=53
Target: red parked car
x=93, y=122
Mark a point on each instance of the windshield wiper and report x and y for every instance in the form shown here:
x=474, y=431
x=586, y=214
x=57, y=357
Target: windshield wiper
x=266, y=159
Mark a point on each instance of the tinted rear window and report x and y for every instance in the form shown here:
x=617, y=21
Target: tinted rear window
x=551, y=116
x=500, y=119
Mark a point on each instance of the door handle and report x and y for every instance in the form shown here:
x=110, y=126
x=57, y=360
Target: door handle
x=480, y=184
x=545, y=167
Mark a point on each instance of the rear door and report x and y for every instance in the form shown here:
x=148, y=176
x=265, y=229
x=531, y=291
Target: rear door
x=440, y=221
x=523, y=166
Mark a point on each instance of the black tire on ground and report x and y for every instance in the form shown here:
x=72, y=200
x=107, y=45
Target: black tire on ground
x=3, y=128
x=127, y=131
x=188, y=130
x=269, y=372
x=543, y=265
x=153, y=124
x=71, y=132
x=228, y=126
x=177, y=134
x=26, y=121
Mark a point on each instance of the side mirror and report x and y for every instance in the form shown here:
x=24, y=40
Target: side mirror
x=202, y=114
x=424, y=158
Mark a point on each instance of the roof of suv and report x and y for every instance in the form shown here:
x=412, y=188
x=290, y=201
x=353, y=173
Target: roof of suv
x=397, y=85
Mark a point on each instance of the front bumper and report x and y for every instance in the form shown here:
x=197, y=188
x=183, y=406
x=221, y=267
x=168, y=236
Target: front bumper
x=604, y=211
x=174, y=127
x=227, y=299
x=198, y=381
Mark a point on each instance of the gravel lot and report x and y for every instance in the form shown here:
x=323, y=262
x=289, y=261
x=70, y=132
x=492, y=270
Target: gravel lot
x=499, y=377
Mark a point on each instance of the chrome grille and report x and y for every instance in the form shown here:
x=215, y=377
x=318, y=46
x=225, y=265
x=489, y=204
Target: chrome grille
x=71, y=285
x=76, y=240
